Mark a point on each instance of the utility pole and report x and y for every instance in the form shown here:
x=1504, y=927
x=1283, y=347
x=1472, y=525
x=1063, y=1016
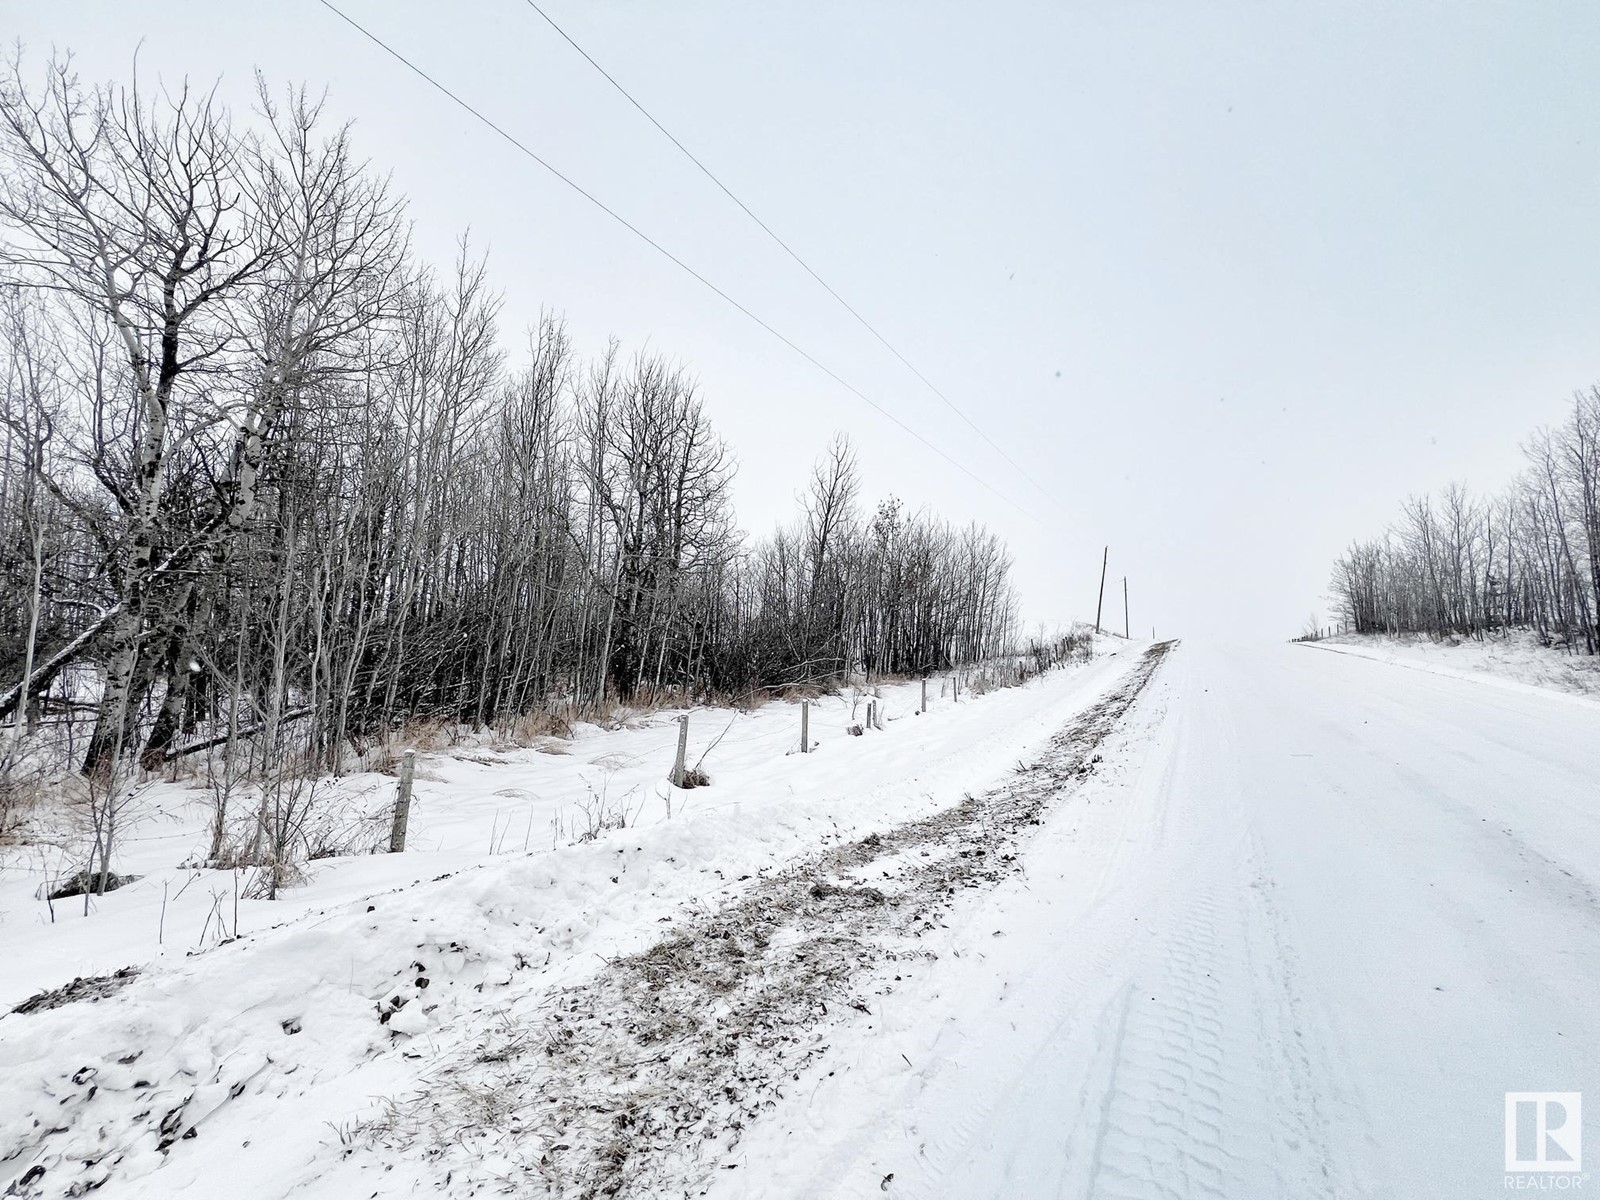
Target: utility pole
x=1100, y=603
x=1125, y=626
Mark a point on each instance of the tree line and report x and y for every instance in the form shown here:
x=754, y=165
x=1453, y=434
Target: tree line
x=1459, y=564
x=266, y=477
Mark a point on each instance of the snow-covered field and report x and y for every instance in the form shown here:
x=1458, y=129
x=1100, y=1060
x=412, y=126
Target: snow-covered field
x=1285, y=923
x=1513, y=658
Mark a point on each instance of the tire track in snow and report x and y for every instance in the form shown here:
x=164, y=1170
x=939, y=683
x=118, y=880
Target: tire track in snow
x=1163, y=1115
x=1167, y=1051
x=1214, y=1093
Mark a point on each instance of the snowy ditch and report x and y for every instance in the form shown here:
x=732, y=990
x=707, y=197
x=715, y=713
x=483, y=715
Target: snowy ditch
x=639, y=1079
x=435, y=1018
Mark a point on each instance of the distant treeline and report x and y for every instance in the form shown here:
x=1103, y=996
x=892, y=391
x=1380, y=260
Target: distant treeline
x=260, y=466
x=1460, y=564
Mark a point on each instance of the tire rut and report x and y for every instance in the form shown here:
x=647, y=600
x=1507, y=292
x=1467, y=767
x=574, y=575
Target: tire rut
x=638, y=1080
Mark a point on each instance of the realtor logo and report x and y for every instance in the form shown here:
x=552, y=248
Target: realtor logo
x=1544, y=1131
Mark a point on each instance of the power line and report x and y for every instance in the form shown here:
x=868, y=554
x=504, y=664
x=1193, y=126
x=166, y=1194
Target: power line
x=671, y=257
x=787, y=249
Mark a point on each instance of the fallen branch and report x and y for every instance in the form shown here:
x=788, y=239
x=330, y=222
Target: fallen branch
x=207, y=743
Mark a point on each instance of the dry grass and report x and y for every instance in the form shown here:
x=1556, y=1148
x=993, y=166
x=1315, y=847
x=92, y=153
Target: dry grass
x=424, y=736
x=530, y=731
x=23, y=798
x=43, y=809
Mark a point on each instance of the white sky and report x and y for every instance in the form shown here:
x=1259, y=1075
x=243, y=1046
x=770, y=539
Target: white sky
x=1229, y=279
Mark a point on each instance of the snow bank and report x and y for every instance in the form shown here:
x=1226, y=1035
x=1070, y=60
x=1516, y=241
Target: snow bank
x=1515, y=660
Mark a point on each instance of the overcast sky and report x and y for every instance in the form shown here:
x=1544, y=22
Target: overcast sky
x=1228, y=279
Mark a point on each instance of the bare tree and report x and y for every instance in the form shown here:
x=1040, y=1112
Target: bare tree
x=1461, y=567
x=271, y=488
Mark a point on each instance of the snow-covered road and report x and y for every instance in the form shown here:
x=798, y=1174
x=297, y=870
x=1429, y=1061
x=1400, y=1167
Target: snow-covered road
x=1298, y=939
x=1290, y=926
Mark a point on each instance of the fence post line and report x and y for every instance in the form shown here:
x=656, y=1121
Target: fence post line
x=805, y=727
x=402, y=803
x=683, y=750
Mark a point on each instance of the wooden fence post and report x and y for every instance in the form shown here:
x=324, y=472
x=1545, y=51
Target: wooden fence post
x=402, y=803
x=678, y=767
x=924, y=693
x=871, y=705
x=805, y=727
